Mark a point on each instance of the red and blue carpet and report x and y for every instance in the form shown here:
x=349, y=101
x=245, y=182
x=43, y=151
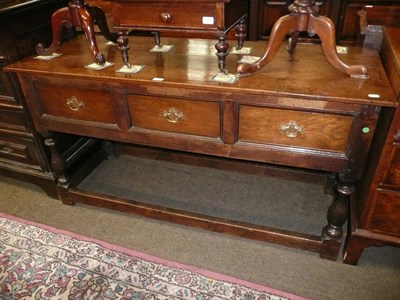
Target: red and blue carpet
x=41, y=262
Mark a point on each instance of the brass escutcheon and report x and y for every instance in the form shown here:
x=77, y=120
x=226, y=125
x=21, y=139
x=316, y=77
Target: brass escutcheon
x=7, y=150
x=74, y=104
x=291, y=129
x=173, y=115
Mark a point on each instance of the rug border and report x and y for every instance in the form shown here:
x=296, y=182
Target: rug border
x=155, y=259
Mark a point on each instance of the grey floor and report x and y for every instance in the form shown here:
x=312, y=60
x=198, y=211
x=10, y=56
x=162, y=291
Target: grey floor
x=376, y=277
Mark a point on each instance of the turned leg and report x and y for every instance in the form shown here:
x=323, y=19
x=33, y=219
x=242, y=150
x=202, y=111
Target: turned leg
x=157, y=38
x=337, y=216
x=60, y=169
x=325, y=29
x=59, y=20
x=222, y=47
x=241, y=33
x=99, y=18
x=122, y=42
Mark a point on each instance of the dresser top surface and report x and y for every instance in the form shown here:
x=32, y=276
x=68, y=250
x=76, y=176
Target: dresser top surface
x=192, y=63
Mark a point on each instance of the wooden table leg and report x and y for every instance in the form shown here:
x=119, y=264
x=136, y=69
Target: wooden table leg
x=337, y=216
x=59, y=167
x=304, y=17
x=325, y=29
x=123, y=42
x=284, y=25
x=222, y=47
x=78, y=14
x=241, y=34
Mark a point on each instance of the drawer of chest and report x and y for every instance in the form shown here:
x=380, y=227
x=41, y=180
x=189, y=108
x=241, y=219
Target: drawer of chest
x=76, y=103
x=384, y=217
x=283, y=127
x=17, y=149
x=13, y=119
x=166, y=15
x=200, y=118
x=392, y=175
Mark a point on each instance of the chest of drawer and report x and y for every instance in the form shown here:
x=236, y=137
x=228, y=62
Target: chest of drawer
x=283, y=127
x=392, y=171
x=385, y=213
x=13, y=119
x=17, y=149
x=166, y=15
x=198, y=117
x=76, y=103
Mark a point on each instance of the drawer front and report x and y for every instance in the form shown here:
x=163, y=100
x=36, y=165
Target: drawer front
x=17, y=149
x=385, y=213
x=392, y=175
x=173, y=115
x=6, y=92
x=76, y=103
x=294, y=128
x=167, y=15
x=13, y=119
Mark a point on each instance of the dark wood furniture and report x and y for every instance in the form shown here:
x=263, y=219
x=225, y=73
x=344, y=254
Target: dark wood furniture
x=303, y=17
x=277, y=117
x=376, y=12
x=345, y=14
x=375, y=215
x=185, y=18
x=263, y=15
x=22, y=155
x=78, y=14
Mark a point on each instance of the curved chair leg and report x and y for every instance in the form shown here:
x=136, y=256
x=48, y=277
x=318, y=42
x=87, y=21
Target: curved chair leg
x=292, y=41
x=87, y=27
x=325, y=29
x=60, y=18
x=77, y=14
x=99, y=18
x=284, y=25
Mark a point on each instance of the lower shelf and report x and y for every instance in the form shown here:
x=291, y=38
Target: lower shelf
x=265, y=208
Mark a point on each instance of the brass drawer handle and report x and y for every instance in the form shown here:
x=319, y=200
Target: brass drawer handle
x=173, y=115
x=291, y=129
x=165, y=17
x=7, y=150
x=74, y=104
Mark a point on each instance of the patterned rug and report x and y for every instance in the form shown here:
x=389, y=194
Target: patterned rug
x=41, y=262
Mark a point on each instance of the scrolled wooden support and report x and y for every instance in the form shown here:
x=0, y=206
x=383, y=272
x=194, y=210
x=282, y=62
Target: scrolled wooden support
x=304, y=17
x=60, y=19
x=78, y=14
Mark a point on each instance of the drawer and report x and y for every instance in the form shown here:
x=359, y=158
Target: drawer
x=385, y=213
x=13, y=119
x=175, y=115
x=166, y=15
x=18, y=149
x=392, y=174
x=6, y=89
x=283, y=127
x=76, y=103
